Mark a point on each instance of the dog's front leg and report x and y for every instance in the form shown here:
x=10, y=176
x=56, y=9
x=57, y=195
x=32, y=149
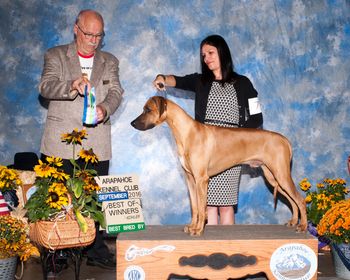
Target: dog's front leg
x=201, y=189
x=193, y=202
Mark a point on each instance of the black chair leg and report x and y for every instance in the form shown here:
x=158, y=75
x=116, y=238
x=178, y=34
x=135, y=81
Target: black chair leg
x=44, y=259
x=56, y=261
x=76, y=255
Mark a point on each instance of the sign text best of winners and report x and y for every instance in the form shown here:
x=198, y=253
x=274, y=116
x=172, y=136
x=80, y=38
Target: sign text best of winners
x=121, y=203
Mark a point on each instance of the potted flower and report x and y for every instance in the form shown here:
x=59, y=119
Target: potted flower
x=14, y=238
x=9, y=182
x=9, y=179
x=60, y=197
x=14, y=244
x=335, y=225
x=320, y=199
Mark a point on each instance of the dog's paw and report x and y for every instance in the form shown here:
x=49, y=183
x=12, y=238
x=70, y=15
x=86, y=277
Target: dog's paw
x=196, y=233
x=301, y=228
x=291, y=223
x=193, y=231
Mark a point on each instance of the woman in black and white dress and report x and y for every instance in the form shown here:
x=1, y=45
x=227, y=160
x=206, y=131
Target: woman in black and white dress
x=223, y=98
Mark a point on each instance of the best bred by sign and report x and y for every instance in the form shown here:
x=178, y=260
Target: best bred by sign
x=121, y=202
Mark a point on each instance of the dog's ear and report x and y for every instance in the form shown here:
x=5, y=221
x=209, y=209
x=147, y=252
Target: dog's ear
x=161, y=104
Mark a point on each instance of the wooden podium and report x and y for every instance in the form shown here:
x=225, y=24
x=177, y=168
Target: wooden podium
x=222, y=252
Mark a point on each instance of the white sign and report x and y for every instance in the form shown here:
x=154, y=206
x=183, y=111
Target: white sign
x=293, y=261
x=121, y=202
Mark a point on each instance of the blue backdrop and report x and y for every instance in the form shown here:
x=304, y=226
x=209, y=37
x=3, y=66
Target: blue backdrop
x=297, y=54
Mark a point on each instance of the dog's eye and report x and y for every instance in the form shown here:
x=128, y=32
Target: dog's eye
x=146, y=110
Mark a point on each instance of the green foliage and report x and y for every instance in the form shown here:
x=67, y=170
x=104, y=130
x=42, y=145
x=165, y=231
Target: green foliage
x=58, y=194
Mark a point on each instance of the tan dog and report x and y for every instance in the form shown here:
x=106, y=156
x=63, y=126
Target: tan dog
x=207, y=150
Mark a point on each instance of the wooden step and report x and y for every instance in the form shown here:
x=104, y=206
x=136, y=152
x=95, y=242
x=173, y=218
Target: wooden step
x=222, y=252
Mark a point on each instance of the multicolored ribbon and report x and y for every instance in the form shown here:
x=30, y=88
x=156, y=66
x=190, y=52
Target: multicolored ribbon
x=89, y=114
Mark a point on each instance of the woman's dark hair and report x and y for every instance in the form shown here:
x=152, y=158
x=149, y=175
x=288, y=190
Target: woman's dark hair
x=228, y=74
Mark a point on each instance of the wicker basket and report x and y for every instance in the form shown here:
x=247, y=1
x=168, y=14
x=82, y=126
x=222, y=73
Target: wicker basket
x=8, y=268
x=61, y=234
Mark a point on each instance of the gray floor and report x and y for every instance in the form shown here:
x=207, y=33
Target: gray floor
x=32, y=269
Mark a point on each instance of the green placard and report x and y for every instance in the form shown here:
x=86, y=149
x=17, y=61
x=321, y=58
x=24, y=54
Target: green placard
x=125, y=227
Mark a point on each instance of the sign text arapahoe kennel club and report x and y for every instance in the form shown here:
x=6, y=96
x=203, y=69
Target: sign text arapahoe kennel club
x=121, y=202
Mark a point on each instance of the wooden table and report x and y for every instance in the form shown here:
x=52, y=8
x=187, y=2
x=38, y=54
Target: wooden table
x=222, y=252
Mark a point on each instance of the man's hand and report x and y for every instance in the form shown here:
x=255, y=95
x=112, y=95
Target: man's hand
x=80, y=85
x=101, y=113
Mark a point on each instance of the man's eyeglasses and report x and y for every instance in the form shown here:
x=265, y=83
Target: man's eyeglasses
x=90, y=36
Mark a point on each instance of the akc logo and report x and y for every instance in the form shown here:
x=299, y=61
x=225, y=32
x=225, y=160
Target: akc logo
x=134, y=272
x=293, y=261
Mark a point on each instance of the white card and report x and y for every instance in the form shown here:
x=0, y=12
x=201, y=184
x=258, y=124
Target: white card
x=254, y=106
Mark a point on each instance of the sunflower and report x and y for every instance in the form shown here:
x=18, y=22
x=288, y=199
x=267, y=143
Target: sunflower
x=60, y=175
x=91, y=185
x=83, y=174
x=88, y=156
x=75, y=137
x=57, y=196
x=44, y=170
x=54, y=161
x=56, y=189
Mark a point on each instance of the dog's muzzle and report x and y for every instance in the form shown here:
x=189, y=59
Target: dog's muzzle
x=139, y=124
